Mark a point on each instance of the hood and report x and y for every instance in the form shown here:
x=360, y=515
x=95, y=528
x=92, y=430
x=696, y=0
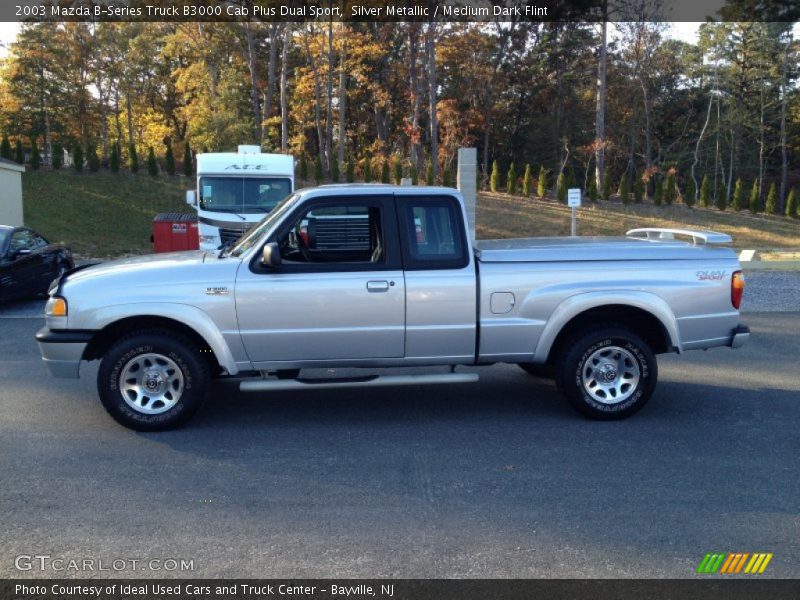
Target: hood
x=150, y=264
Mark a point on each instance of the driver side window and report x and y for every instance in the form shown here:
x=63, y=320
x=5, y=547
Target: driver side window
x=347, y=232
x=21, y=240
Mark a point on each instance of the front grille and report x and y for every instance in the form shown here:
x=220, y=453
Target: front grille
x=229, y=236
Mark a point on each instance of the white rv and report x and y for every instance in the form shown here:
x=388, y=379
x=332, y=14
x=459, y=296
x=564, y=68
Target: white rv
x=235, y=190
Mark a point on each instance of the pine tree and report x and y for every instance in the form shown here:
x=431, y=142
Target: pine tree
x=412, y=174
x=771, y=206
x=113, y=159
x=447, y=177
x=691, y=193
x=36, y=158
x=367, y=171
x=133, y=159
x=19, y=155
x=5, y=148
x=57, y=160
x=77, y=158
x=350, y=171
x=722, y=197
x=302, y=168
x=738, y=195
x=335, y=176
x=670, y=191
x=592, y=193
x=541, y=185
x=705, y=192
x=385, y=177
x=526, y=182
x=494, y=178
x=187, y=159
x=791, y=205
x=658, y=192
x=92, y=160
x=429, y=174
x=607, y=185
x=624, y=189
x=152, y=165
x=318, y=174
x=511, y=179
x=561, y=188
x=753, y=202
x=638, y=188
x=398, y=170
x=169, y=160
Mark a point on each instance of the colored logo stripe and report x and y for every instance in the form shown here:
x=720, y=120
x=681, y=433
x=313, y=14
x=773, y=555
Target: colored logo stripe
x=734, y=562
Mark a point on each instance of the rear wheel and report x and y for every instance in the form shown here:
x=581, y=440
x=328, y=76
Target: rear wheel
x=607, y=373
x=152, y=380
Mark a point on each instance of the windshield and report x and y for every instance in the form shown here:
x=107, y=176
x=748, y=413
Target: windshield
x=249, y=239
x=4, y=235
x=243, y=194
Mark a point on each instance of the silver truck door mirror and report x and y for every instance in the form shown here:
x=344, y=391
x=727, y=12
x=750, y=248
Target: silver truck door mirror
x=191, y=197
x=271, y=255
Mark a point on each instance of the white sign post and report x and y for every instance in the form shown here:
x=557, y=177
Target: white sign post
x=574, y=201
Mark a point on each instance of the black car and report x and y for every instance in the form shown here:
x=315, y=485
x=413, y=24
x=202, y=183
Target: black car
x=29, y=263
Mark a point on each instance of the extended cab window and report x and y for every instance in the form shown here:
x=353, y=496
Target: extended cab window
x=433, y=233
x=335, y=233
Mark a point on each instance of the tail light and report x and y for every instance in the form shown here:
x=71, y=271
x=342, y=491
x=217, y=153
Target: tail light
x=737, y=288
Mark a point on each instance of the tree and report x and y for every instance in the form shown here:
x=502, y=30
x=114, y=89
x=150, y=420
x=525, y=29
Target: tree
x=607, y=185
x=366, y=171
x=385, y=172
x=350, y=171
x=738, y=196
x=188, y=169
x=592, y=193
x=36, y=159
x=398, y=170
x=541, y=184
x=335, y=175
x=5, y=148
x=658, y=195
x=638, y=189
x=722, y=196
x=412, y=174
x=133, y=159
x=169, y=160
x=302, y=168
x=113, y=160
x=705, y=192
x=92, y=160
x=670, y=190
x=753, y=202
x=511, y=179
x=57, y=160
x=318, y=173
x=19, y=155
x=494, y=178
x=526, y=181
x=561, y=188
x=772, y=200
x=624, y=189
x=77, y=157
x=429, y=174
x=791, y=205
x=447, y=177
x=152, y=165
x=690, y=195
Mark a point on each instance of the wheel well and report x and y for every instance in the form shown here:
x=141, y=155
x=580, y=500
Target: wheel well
x=103, y=339
x=639, y=321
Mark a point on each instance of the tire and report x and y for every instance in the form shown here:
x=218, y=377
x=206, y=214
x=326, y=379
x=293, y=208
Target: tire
x=543, y=371
x=607, y=373
x=167, y=380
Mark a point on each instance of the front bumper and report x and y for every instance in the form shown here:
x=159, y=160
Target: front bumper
x=739, y=336
x=62, y=350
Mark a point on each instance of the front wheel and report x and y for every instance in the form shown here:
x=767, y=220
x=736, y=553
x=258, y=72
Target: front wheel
x=152, y=380
x=607, y=373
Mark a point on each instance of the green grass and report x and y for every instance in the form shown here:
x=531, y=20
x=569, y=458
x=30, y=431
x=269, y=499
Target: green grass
x=100, y=215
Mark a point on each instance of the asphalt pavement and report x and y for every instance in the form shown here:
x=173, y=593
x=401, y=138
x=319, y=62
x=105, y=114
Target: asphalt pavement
x=497, y=479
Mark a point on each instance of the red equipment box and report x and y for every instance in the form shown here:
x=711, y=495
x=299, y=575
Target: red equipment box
x=174, y=231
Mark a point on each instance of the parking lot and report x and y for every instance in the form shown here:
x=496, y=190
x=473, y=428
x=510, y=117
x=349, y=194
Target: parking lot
x=499, y=479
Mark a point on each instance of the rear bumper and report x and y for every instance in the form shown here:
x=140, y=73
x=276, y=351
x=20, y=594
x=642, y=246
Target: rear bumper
x=62, y=350
x=739, y=336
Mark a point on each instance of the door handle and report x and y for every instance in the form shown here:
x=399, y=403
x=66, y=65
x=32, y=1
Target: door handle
x=377, y=286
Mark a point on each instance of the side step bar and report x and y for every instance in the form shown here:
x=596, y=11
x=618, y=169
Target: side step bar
x=274, y=385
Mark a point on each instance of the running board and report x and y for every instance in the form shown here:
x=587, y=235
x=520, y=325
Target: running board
x=276, y=385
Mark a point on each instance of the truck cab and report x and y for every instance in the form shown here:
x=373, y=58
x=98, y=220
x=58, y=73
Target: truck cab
x=235, y=190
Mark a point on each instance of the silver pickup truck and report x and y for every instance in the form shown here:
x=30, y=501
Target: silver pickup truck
x=372, y=276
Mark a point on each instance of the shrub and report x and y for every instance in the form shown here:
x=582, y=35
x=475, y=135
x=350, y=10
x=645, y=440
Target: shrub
x=152, y=165
x=722, y=197
x=447, y=177
x=738, y=195
x=429, y=173
x=413, y=175
x=592, y=193
x=350, y=171
x=113, y=160
x=398, y=170
x=753, y=203
x=302, y=168
x=541, y=185
x=526, y=182
x=638, y=189
x=133, y=159
x=318, y=174
x=5, y=148
x=691, y=193
x=607, y=185
x=511, y=179
x=771, y=206
x=169, y=160
x=335, y=171
x=366, y=171
x=92, y=160
x=791, y=205
x=561, y=188
x=57, y=160
x=385, y=177
x=19, y=155
x=705, y=192
x=670, y=189
x=36, y=159
x=571, y=182
x=658, y=192
x=77, y=158
x=624, y=188
x=188, y=167
x=494, y=178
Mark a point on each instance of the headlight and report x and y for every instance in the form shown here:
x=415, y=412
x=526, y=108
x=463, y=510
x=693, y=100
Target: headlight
x=56, y=307
x=208, y=239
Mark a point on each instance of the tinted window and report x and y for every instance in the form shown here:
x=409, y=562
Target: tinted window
x=22, y=240
x=243, y=194
x=434, y=237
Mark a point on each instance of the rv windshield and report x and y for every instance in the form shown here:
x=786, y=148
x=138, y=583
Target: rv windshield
x=243, y=194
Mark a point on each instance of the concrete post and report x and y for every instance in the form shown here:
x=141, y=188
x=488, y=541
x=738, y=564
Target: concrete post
x=466, y=181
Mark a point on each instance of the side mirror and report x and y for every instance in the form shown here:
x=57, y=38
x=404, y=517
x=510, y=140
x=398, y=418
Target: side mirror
x=191, y=197
x=271, y=255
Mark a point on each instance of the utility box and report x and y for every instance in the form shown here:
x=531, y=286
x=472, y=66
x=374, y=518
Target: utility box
x=173, y=232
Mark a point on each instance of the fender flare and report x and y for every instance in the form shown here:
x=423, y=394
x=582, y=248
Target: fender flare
x=571, y=307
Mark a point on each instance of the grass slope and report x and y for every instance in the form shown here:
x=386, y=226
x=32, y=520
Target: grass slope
x=100, y=214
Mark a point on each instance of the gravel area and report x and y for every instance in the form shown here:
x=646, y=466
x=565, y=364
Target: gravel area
x=772, y=291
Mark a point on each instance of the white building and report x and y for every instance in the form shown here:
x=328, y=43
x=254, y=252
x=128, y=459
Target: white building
x=10, y=192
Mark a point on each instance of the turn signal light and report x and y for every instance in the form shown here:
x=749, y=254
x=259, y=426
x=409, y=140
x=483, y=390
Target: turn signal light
x=737, y=288
x=56, y=307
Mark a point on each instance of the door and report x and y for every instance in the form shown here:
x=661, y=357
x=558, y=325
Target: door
x=339, y=292
x=23, y=265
